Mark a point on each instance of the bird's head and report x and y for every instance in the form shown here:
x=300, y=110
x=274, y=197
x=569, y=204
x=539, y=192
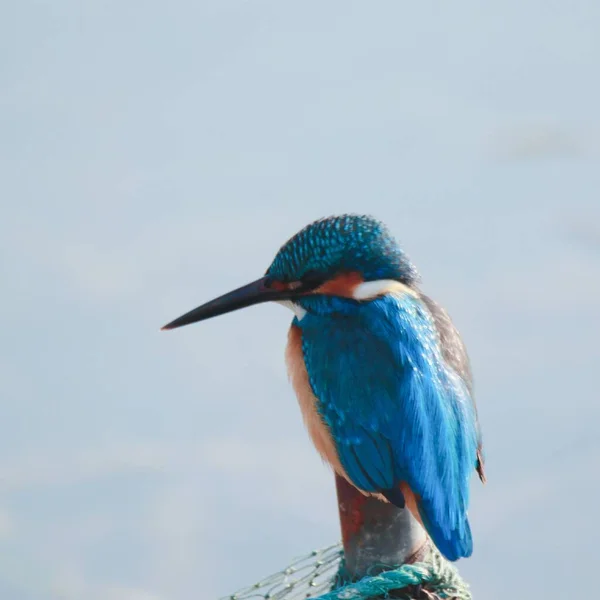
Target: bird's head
x=352, y=257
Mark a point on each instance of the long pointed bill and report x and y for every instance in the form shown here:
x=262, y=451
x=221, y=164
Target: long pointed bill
x=253, y=293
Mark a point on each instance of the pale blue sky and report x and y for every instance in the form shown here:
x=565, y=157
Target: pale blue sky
x=153, y=155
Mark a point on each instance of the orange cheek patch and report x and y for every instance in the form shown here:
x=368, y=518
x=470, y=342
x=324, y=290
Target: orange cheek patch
x=342, y=285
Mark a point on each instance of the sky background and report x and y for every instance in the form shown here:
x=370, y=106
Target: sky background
x=154, y=155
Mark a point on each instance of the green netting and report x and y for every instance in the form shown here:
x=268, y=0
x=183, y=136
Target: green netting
x=321, y=575
x=306, y=577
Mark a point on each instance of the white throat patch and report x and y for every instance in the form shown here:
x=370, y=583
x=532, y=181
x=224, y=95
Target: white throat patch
x=295, y=308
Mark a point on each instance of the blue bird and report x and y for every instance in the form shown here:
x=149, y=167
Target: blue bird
x=381, y=373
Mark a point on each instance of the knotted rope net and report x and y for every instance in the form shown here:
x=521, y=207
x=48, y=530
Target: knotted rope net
x=321, y=575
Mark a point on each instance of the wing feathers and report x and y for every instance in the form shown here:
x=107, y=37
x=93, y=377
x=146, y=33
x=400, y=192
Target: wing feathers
x=396, y=410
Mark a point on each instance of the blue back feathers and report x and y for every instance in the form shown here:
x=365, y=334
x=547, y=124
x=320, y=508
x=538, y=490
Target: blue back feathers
x=345, y=243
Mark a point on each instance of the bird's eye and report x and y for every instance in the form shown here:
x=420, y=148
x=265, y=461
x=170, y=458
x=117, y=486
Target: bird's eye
x=312, y=279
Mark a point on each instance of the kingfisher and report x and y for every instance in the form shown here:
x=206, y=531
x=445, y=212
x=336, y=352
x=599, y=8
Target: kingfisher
x=380, y=371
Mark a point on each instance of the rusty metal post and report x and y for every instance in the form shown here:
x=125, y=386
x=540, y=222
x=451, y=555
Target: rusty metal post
x=376, y=534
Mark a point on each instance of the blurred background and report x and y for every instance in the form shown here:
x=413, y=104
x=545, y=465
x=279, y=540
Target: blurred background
x=153, y=155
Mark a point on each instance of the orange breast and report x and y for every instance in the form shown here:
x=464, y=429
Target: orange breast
x=317, y=429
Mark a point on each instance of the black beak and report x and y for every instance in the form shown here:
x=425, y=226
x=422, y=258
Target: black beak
x=254, y=293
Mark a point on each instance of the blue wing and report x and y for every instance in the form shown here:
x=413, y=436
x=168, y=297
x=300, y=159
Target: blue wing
x=396, y=409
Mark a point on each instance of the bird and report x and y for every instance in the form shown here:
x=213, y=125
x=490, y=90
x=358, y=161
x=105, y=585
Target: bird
x=380, y=371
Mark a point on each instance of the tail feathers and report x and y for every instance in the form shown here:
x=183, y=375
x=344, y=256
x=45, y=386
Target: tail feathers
x=453, y=544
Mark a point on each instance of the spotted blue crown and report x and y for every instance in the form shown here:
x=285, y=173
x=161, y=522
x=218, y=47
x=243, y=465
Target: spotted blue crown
x=341, y=244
